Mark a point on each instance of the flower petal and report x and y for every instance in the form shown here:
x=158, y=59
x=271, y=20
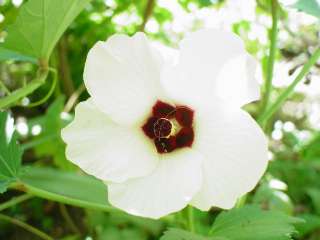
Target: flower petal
x=236, y=82
x=235, y=151
x=123, y=77
x=211, y=61
x=168, y=189
x=106, y=150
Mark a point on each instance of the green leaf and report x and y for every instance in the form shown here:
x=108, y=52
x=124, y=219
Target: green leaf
x=66, y=187
x=116, y=233
x=100, y=220
x=71, y=237
x=272, y=199
x=314, y=194
x=299, y=176
x=49, y=142
x=312, y=223
x=10, y=152
x=311, y=7
x=179, y=234
x=252, y=223
x=39, y=25
x=4, y=184
x=6, y=54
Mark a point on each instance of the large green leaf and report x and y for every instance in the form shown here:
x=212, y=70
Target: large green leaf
x=311, y=7
x=6, y=54
x=10, y=152
x=179, y=234
x=39, y=25
x=251, y=223
x=66, y=187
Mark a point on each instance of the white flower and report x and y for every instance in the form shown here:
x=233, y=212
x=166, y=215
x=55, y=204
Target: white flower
x=163, y=136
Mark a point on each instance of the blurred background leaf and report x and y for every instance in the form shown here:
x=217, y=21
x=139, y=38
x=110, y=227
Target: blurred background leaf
x=291, y=184
x=311, y=7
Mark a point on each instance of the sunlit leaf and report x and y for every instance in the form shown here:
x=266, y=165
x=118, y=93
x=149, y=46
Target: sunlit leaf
x=252, y=223
x=201, y=3
x=10, y=152
x=39, y=25
x=311, y=7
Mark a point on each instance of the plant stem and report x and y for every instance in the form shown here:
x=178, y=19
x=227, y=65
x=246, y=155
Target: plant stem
x=47, y=96
x=26, y=226
x=190, y=219
x=241, y=201
x=272, y=55
x=15, y=201
x=68, y=219
x=34, y=143
x=74, y=98
x=4, y=88
x=64, y=66
x=147, y=13
x=285, y=94
x=24, y=91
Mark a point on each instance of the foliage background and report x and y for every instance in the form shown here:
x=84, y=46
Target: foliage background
x=290, y=186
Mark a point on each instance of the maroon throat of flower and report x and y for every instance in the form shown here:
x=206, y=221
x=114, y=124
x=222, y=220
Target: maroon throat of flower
x=170, y=127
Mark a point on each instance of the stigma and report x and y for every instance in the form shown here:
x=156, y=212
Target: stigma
x=169, y=127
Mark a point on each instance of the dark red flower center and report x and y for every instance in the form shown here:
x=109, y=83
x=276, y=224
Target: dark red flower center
x=170, y=127
x=162, y=128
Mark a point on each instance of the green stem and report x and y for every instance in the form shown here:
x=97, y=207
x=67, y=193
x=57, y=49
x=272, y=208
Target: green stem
x=26, y=226
x=64, y=66
x=147, y=13
x=285, y=94
x=14, y=201
x=34, y=143
x=73, y=100
x=191, y=225
x=241, y=201
x=272, y=55
x=24, y=91
x=47, y=96
x=65, y=214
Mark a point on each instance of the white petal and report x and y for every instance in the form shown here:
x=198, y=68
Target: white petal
x=235, y=151
x=237, y=82
x=200, y=74
x=123, y=77
x=106, y=150
x=168, y=189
